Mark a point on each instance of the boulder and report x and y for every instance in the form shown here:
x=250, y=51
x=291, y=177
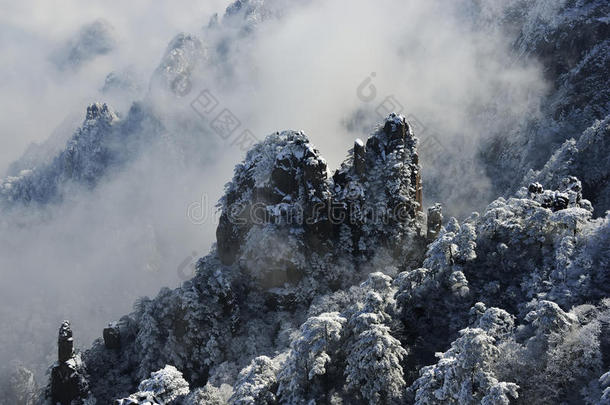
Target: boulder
x=112, y=336
x=435, y=221
x=65, y=343
x=359, y=157
x=68, y=384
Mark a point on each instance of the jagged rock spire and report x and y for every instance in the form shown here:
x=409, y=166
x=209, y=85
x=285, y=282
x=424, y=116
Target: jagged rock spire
x=68, y=384
x=97, y=111
x=359, y=157
x=281, y=202
x=65, y=342
x=435, y=221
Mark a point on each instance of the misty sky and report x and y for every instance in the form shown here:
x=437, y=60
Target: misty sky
x=36, y=97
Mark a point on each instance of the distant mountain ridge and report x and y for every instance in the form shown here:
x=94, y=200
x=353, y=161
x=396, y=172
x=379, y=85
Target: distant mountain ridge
x=102, y=142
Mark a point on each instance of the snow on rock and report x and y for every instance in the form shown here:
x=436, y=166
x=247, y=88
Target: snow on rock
x=84, y=159
x=102, y=142
x=182, y=56
x=518, y=293
x=69, y=380
x=281, y=196
x=507, y=306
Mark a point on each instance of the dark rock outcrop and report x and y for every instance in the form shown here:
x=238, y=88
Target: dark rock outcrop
x=380, y=190
x=112, y=336
x=87, y=155
x=435, y=221
x=287, y=232
x=65, y=343
x=359, y=157
x=282, y=185
x=569, y=194
x=281, y=195
x=68, y=384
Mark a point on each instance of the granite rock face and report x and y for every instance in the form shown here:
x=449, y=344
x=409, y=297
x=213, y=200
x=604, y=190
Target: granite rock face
x=112, y=336
x=435, y=221
x=68, y=383
x=282, y=194
x=65, y=343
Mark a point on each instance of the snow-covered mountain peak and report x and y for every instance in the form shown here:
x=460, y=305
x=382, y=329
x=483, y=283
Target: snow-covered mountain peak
x=100, y=111
x=281, y=195
x=183, y=54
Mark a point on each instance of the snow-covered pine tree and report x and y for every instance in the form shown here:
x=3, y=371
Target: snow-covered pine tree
x=308, y=371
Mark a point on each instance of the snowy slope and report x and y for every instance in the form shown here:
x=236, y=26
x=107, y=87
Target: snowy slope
x=572, y=40
x=327, y=308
